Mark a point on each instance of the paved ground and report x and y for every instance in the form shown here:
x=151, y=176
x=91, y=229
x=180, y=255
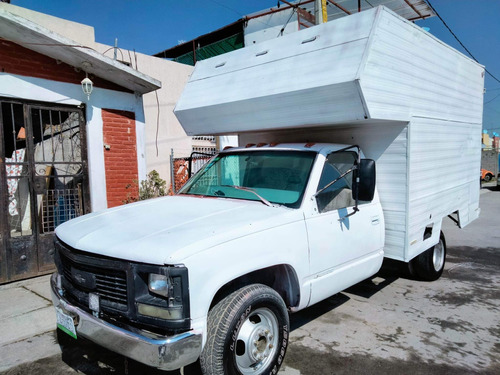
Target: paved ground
x=389, y=324
x=26, y=322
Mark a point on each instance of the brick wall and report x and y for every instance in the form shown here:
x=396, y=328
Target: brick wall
x=181, y=168
x=120, y=160
x=181, y=171
x=19, y=60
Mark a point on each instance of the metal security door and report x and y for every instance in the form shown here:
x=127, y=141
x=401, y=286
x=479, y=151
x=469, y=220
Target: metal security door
x=44, y=183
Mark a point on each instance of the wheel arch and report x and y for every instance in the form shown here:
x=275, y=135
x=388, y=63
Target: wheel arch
x=282, y=278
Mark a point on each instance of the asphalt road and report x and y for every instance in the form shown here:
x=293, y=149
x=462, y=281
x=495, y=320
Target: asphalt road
x=389, y=324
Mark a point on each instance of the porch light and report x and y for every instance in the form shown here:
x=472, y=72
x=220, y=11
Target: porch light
x=87, y=84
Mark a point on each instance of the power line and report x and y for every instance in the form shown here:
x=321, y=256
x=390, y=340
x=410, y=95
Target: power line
x=458, y=40
x=489, y=101
x=236, y=11
x=229, y=8
x=289, y=18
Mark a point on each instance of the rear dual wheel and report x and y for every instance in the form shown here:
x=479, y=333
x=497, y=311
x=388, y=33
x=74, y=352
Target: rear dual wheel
x=247, y=333
x=429, y=265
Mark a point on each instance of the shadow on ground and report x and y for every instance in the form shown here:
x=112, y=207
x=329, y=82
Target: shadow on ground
x=391, y=271
x=84, y=357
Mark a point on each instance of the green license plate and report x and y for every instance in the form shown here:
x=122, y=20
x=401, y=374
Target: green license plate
x=65, y=323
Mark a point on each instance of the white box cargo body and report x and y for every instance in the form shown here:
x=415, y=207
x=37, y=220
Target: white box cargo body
x=411, y=102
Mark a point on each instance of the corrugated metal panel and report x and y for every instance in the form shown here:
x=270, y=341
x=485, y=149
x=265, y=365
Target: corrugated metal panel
x=392, y=182
x=411, y=73
x=445, y=160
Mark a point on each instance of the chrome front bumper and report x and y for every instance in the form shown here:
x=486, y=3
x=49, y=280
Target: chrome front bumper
x=166, y=353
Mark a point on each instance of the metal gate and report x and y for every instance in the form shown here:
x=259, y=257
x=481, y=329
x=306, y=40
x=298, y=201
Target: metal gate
x=43, y=182
x=183, y=168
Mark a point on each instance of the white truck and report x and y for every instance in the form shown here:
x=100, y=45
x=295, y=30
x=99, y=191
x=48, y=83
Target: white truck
x=295, y=215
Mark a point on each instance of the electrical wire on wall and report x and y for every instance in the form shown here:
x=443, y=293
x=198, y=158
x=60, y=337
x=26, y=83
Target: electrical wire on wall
x=119, y=49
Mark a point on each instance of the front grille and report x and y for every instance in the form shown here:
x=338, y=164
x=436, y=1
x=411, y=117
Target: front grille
x=113, y=288
x=119, y=284
x=109, y=284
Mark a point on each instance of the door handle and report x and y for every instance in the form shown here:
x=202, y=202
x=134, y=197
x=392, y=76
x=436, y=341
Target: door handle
x=375, y=220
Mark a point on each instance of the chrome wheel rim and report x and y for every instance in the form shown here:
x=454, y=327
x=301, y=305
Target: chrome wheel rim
x=438, y=256
x=256, y=342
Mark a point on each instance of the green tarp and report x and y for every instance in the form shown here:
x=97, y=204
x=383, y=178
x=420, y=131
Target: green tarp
x=218, y=48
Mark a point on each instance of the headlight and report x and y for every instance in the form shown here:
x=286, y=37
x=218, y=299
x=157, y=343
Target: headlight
x=159, y=284
x=162, y=293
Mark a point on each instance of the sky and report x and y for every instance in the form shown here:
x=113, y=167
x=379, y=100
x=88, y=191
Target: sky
x=151, y=26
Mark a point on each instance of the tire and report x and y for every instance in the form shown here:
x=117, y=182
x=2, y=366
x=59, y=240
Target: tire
x=429, y=265
x=488, y=177
x=247, y=333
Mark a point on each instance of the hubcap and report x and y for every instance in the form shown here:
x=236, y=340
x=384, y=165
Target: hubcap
x=257, y=341
x=438, y=256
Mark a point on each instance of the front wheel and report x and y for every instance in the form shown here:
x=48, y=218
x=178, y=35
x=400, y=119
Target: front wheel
x=488, y=177
x=429, y=265
x=247, y=333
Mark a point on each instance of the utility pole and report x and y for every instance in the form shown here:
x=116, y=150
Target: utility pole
x=320, y=11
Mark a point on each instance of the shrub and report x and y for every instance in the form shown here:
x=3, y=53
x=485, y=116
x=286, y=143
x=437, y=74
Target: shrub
x=152, y=187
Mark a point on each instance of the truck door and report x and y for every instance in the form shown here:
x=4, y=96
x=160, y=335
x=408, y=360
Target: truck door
x=343, y=249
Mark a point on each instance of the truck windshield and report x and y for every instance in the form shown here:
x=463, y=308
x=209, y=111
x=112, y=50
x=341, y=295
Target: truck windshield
x=276, y=177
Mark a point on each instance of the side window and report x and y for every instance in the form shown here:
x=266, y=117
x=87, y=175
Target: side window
x=338, y=195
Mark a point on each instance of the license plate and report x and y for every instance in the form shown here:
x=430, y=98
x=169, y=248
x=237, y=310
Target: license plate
x=65, y=323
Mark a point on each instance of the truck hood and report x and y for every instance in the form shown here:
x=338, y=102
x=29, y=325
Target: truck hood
x=170, y=229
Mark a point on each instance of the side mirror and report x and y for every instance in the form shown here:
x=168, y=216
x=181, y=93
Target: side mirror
x=364, y=181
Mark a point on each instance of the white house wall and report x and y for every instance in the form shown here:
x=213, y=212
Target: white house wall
x=80, y=33
x=162, y=131
x=36, y=89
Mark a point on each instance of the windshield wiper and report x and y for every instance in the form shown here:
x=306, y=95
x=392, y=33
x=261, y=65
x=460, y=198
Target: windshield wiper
x=262, y=199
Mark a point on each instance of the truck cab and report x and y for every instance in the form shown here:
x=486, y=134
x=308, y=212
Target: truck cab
x=319, y=182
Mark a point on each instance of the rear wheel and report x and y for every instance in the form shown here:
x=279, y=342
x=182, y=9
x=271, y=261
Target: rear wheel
x=488, y=177
x=429, y=265
x=247, y=333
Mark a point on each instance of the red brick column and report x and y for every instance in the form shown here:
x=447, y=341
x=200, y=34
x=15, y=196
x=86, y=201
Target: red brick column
x=120, y=160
